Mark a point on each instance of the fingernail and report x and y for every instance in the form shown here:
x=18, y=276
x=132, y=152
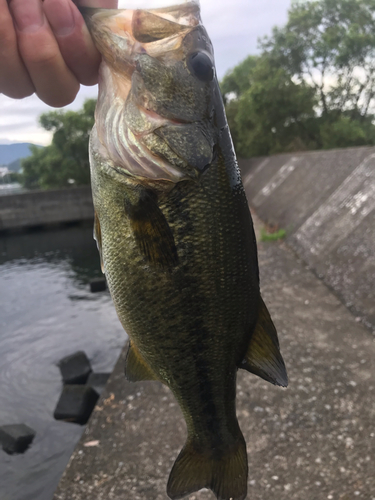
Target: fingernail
x=28, y=16
x=60, y=16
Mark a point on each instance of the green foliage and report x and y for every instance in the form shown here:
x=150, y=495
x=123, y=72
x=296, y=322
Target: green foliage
x=272, y=236
x=10, y=178
x=331, y=45
x=14, y=177
x=65, y=162
x=237, y=81
x=343, y=130
x=312, y=87
x=272, y=113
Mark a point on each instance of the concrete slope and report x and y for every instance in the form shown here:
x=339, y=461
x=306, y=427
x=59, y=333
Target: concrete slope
x=326, y=202
x=314, y=440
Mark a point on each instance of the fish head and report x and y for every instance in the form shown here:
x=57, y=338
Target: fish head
x=155, y=116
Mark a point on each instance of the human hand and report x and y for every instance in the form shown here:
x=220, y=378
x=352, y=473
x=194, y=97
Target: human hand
x=45, y=48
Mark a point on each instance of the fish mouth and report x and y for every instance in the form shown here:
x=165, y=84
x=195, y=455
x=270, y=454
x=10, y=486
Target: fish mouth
x=137, y=132
x=115, y=31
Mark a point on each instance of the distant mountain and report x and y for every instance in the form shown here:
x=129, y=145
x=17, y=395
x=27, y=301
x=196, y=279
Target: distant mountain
x=11, y=152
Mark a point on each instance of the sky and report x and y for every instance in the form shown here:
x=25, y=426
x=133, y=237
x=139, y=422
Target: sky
x=234, y=27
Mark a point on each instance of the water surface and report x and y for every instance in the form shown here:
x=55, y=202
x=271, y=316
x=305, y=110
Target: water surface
x=47, y=312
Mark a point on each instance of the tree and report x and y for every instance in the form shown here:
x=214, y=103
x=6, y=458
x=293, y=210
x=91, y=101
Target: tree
x=65, y=162
x=331, y=45
x=272, y=114
x=313, y=86
x=237, y=81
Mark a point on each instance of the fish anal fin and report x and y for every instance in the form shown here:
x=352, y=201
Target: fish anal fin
x=263, y=357
x=151, y=230
x=225, y=474
x=98, y=239
x=136, y=368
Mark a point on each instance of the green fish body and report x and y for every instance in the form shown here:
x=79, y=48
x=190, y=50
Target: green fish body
x=175, y=234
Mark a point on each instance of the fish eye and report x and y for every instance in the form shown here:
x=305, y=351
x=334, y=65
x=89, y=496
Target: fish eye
x=201, y=66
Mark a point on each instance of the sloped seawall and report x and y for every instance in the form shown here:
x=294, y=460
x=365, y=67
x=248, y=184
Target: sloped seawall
x=325, y=200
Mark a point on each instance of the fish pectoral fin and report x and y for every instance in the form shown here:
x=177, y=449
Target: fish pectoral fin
x=98, y=239
x=223, y=473
x=136, y=368
x=263, y=357
x=151, y=230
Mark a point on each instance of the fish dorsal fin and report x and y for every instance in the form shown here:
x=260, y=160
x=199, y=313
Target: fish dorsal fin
x=151, y=230
x=136, y=368
x=263, y=357
x=98, y=239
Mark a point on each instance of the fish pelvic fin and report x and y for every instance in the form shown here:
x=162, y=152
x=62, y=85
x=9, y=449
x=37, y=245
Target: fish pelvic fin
x=224, y=473
x=151, y=230
x=136, y=368
x=263, y=357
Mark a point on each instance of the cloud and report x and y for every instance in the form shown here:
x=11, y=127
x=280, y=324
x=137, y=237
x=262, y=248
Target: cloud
x=234, y=28
x=19, y=118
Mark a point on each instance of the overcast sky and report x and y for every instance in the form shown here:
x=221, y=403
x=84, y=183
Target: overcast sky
x=234, y=27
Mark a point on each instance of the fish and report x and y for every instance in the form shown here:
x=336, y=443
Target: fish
x=175, y=234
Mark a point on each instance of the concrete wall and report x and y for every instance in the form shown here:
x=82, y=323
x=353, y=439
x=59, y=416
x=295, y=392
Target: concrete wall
x=37, y=208
x=325, y=200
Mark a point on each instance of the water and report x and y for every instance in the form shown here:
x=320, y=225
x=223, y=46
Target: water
x=47, y=312
x=13, y=188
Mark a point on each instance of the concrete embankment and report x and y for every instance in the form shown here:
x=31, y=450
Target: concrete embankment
x=43, y=208
x=325, y=200
x=314, y=440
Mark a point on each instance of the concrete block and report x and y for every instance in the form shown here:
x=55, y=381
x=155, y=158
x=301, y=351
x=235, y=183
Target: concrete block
x=75, y=369
x=76, y=404
x=98, y=381
x=98, y=285
x=16, y=438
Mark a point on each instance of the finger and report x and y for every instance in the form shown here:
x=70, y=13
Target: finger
x=74, y=40
x=55, y=84
x=14, y=78
x=102, y=4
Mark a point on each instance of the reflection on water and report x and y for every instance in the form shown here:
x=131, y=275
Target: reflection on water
x=47, y=312
x=11, y=188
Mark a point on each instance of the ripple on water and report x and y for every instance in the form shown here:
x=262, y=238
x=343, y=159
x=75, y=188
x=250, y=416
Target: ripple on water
x=41, y=321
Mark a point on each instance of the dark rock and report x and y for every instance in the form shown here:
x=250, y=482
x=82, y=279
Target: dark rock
x=16, y=438
x=98, y=381
x=76, y=403
x=75, y=368
x=98, y=285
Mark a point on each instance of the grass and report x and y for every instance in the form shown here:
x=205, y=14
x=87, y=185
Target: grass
x=272, y=235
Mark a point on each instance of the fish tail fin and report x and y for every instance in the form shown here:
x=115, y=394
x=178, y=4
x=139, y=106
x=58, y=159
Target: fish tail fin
x=225, y=474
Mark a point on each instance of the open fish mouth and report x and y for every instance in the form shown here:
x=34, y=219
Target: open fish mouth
x=155, y=116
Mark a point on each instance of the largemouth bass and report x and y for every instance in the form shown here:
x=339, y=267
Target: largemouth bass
x=175, y=234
